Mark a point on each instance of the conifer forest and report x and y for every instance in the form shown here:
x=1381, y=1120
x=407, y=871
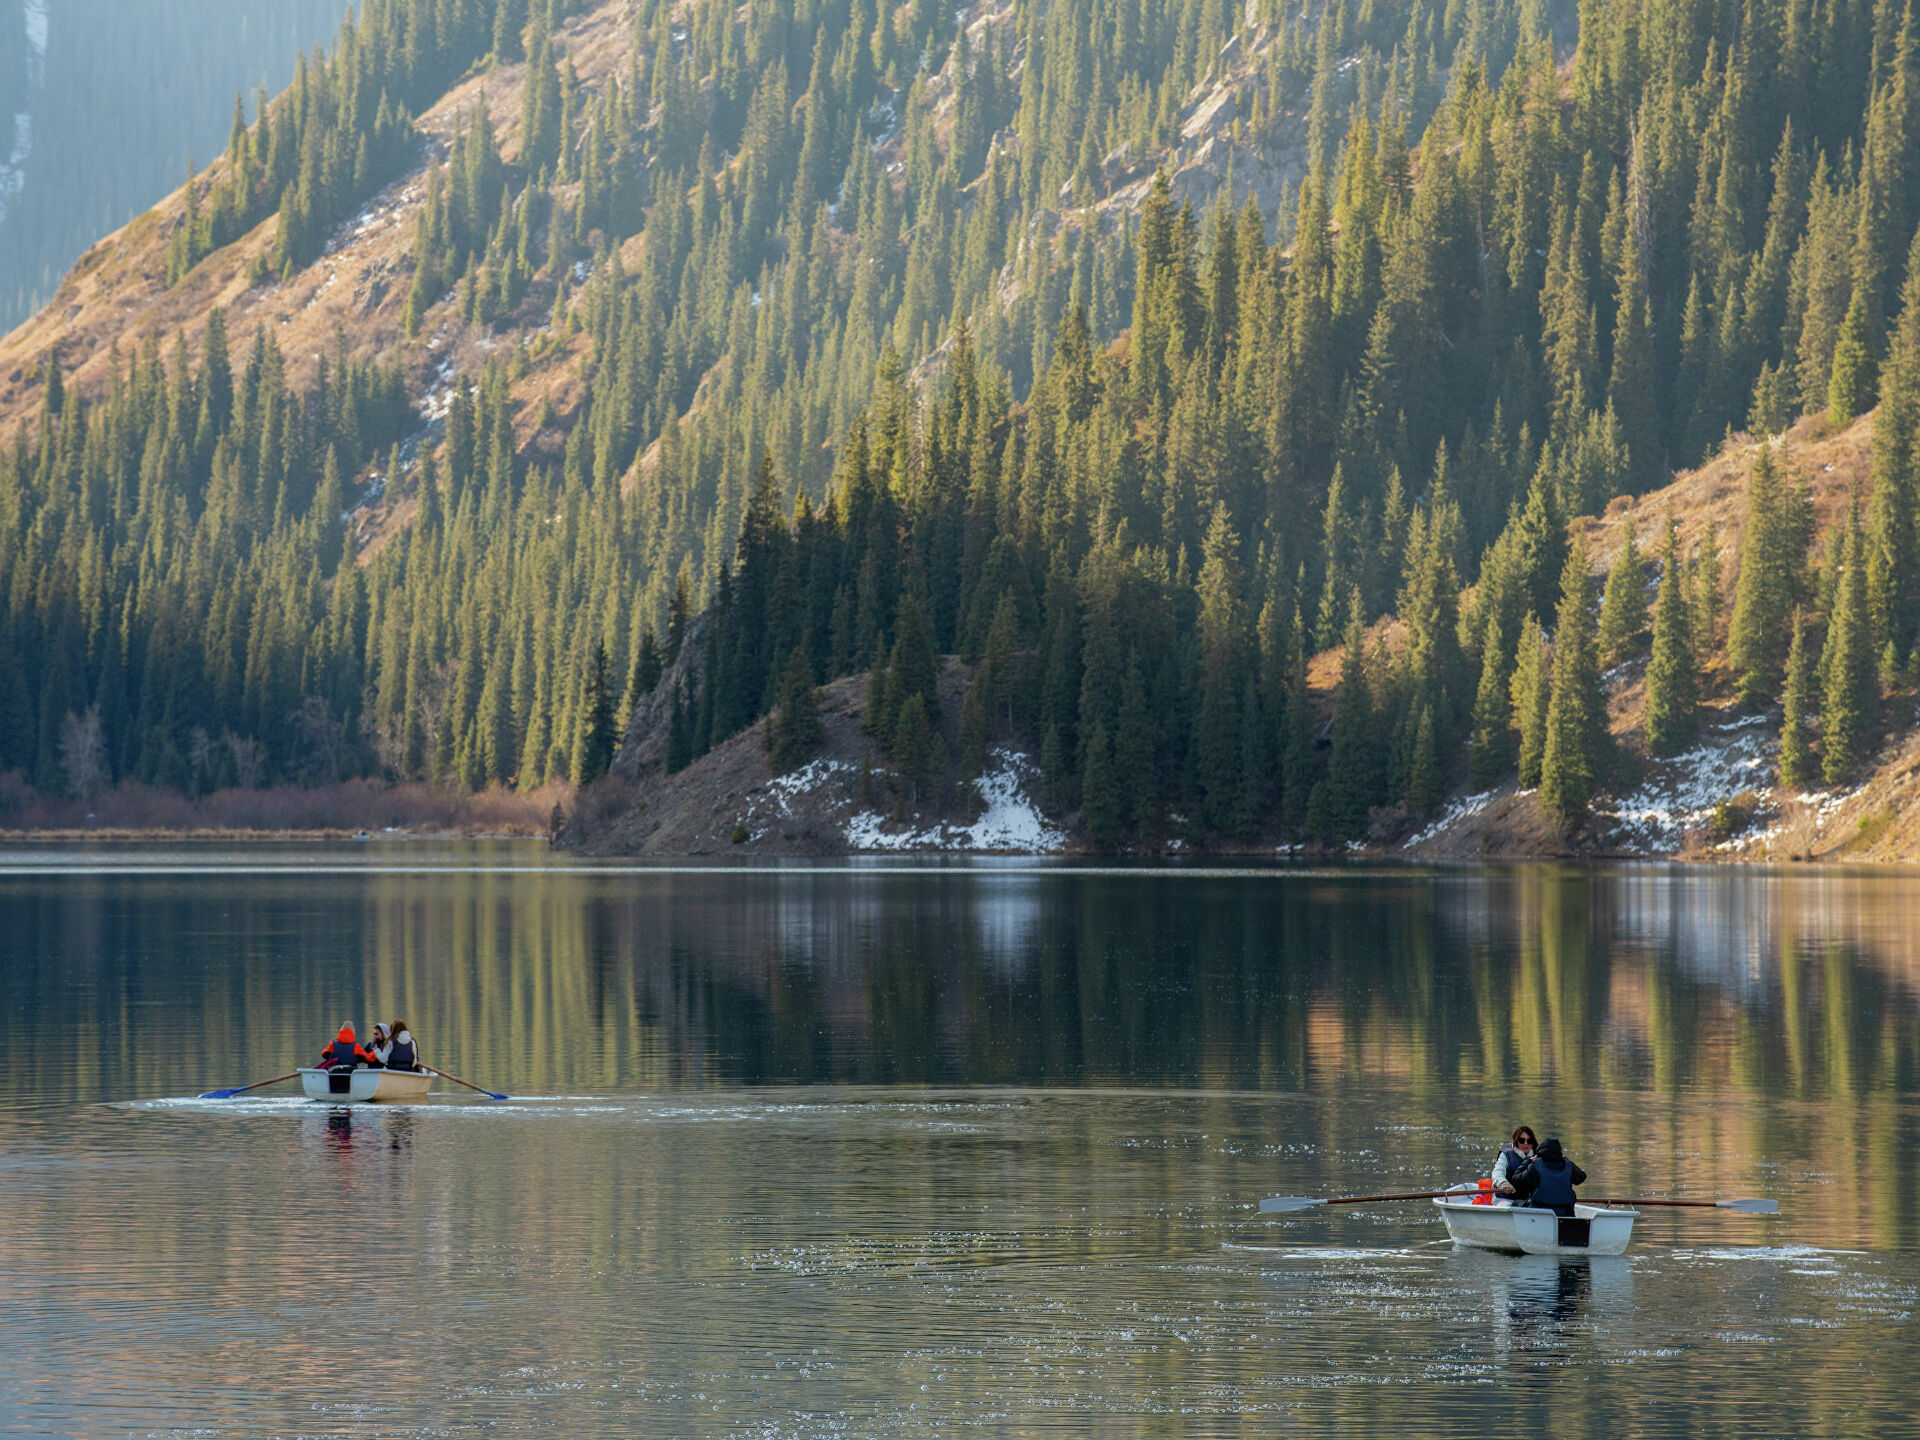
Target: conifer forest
x=1216, y=382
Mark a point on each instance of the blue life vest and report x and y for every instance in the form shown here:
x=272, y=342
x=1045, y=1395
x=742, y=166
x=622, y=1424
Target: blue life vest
x=1514, y=1161
x=1555, y=1190
x=340, y=1052
x=403, y=1056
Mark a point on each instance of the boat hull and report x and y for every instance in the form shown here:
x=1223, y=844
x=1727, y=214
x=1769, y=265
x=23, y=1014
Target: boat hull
x=347, y=1086
x=1518, y=1230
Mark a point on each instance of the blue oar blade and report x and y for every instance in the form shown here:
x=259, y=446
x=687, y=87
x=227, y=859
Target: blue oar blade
x=226, y=1094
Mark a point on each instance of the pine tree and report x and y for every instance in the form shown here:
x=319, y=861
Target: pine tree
x=1531, y=691
x=1673, y=687
x=647, y=669
x=1492, y=711
x=1102, y=800
x=1623, y=604
x=794, y=730
x=1297, y=759
x=1353, y=770
x=1893, y=539
x=1224, y=674
x=1423, y=770
x=1576, y=709
x=915, y=749
x=593, y=751
x=1847, y=709
x=1133, y=751
x=1797, y=767
x=1850, y=386
x=1763, y=593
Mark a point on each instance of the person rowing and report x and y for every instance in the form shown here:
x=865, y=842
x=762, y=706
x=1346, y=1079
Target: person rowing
x=345, y=1052
x=1516, y=1154
x=1546, y=1182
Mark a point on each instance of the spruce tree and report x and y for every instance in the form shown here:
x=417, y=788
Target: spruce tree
x=1673, y=687
x=1797, y=766
x=1492, y=711
x=1893, y=537
x=794, y=730
x=593, y=751
x=916, y=749
x=1850, y=385
x=647, y=669
x=1103, y=806
x=1298, y=761
x=1763, y=594
x=1531, y=690
x=1133, y=751
x=1576, y=708
x=1353, y=769
x=1847, y=709
x=1623, y=604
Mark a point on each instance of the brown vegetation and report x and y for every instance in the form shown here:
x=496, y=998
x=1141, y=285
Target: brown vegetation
x=131, y=810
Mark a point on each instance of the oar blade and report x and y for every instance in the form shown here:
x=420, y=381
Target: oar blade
x=1751, y=1207
x=1289, y=1204
x=226, y=1094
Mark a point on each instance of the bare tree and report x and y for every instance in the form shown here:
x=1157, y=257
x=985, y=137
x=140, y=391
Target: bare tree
x=249, y=760
x=434, y=706
x=321, y=740
x=200, y=748
x=388, y=738
x=83, y=752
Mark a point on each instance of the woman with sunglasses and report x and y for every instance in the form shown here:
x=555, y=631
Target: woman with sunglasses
x=1525, y=1143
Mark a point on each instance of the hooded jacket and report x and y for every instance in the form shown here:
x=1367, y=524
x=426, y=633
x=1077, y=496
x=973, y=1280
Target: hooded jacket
x=345, y=1050
x=1547, y=1183
x=403, y=1054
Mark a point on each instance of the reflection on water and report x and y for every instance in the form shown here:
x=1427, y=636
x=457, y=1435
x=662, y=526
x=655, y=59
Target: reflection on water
x=833, y=1150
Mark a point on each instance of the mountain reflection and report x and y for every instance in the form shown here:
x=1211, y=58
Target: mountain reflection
x=572, y=980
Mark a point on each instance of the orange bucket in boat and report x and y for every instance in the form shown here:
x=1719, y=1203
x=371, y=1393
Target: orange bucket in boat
x=1485, y=1197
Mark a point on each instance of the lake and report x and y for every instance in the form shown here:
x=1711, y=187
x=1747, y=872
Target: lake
x=871, y=1150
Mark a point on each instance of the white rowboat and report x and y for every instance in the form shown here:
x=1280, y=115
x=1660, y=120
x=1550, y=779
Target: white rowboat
x=1519, y=1230
x=366, y=1084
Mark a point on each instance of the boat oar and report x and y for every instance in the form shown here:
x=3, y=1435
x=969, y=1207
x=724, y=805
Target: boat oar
x=491, y=1095
x=1741, y=1207
x=232, y=1091
x=1288, y=1204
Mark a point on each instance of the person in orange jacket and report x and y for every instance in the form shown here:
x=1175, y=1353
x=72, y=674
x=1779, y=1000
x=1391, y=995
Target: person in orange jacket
x=345, y=1052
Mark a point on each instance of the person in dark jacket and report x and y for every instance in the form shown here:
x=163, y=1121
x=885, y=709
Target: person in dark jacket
x=345, y=1052
x=402, y=1053
x=1547, y=1182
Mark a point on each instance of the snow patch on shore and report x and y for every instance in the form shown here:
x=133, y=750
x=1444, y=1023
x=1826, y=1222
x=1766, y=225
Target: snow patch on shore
x=1461, y=809
x=1012, y=823
x=1681, y=793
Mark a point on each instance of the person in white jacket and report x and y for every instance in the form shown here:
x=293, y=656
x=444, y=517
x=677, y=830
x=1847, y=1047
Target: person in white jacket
x=1525, y=1142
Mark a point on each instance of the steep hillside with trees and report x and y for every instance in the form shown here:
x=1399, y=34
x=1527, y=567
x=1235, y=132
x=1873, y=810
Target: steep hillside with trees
x=883, y=338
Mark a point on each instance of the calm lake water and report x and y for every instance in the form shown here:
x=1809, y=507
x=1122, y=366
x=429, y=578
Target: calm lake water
x=871, y=1151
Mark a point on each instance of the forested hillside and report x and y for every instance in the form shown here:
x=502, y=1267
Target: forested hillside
x=1137, y=352
x=102, y=104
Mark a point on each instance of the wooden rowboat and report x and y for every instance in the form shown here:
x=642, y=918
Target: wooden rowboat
x=366, y=1083
x=1519, y=1230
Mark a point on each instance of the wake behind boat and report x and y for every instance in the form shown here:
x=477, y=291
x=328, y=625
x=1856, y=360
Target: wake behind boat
x=365, y=1084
